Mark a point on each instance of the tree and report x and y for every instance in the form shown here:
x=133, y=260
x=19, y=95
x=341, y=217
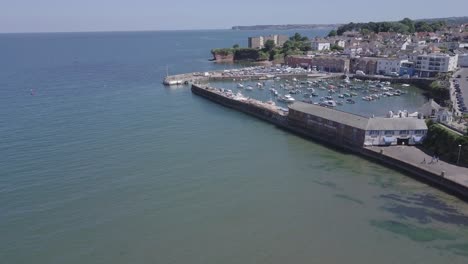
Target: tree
x=335, y=47
x=235, y=46
x=269, y=45
x=422, y=26
x=298, y=37
x=332, y=33
x=410, y=23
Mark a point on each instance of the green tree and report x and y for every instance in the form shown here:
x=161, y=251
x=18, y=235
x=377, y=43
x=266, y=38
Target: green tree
x=335, y=47
x=296, y=37
x=269, y=45
x=422, y=26
x=409, y=23
x=235, y=46
x=332, y=33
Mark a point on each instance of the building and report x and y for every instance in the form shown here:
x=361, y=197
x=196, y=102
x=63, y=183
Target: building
x=340, y=43
x=437, y=113
x=319, y=45
x=395, y=131
x=259, y=42
x=388, y=66
x=345, y=129
x=463, y=60
x=367, y=65
x=350, y=130
x=429, y=65
x=321, y=63
x=407, y=67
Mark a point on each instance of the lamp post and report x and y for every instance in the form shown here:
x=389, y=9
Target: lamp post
x=459, y=151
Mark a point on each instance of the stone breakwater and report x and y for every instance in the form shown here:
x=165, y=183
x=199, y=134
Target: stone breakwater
x=446, y=177
x=238, y=75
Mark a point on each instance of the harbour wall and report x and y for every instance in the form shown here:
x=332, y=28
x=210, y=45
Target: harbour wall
x=281, y=121
x=422, y=83
x=205, y=77
x=419, y=173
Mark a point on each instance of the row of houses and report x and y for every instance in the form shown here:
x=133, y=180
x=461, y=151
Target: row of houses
x=426, y=65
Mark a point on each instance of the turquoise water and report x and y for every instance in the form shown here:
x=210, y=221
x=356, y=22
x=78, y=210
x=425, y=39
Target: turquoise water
x=103, y=164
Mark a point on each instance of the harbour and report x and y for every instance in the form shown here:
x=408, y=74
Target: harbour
x=451, y=178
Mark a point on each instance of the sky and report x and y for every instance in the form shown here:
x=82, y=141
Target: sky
x=126, y=15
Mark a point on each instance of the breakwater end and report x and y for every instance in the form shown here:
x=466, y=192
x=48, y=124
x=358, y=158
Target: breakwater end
x=447, y=177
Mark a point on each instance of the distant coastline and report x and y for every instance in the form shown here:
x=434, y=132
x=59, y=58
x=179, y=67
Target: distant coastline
x=287, y=27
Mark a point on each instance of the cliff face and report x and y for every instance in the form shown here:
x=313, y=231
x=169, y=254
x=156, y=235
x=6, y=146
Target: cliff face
x=222, y=57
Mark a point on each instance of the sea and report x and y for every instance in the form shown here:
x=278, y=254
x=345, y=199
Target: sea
x=101, y=163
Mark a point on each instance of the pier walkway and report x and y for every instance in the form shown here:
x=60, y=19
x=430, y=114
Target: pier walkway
x=416, y=157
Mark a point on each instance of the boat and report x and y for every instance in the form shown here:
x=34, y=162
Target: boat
x=240, y=85
x=350, y=101
x=340, y=96
x=353, y=94
x=286, y=99
x=289, y=98
x=328, y=97
x=249, y=88
x=314, y=94
x=405, y=85
x=328, y=103
x=346, y=95
x=310, y=89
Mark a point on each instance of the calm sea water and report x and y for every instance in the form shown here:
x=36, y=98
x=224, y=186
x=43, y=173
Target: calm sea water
x=99, y=163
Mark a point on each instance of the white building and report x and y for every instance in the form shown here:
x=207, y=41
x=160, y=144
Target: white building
x=320, y=45
x=340, y=43
x=395, y=131
x=387, y=66
x=429, y=65
x=463, y=60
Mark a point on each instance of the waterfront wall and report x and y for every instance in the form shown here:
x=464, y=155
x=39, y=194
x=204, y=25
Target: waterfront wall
x=419, y=173
x=265, y=114
x=282, y=121
x=423, y=83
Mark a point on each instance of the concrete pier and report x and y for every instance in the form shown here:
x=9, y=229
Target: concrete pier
x=447, y=177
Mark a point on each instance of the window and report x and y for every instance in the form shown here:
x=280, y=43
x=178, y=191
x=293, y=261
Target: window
x=419, y=132
x=404, y=132
x=389, y=133
x=373, y=132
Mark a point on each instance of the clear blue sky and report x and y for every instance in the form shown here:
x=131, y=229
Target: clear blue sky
x=116, y=15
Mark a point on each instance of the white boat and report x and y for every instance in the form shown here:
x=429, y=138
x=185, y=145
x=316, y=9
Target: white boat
x=328, y=103
x=405, y=85
x=289, y=98
x=240, y=85
x=249, y=88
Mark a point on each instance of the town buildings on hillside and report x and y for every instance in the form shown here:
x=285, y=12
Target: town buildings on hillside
x=423, y=54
